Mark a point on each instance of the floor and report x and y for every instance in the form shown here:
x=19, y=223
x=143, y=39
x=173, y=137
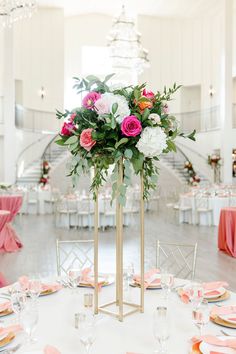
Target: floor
x=38, y=256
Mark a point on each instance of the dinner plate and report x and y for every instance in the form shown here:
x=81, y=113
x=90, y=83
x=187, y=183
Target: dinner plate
x=101, y=279
x=7, y=340
x=5, y=312
x=212, y=294
x=231, y=318
x=208, y=348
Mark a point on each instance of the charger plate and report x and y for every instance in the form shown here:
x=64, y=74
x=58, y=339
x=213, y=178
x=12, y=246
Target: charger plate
x=6, y=312
x=6, y=340
x=216, y=319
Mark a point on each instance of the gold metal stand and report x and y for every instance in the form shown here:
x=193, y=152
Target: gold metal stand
x=119, y=302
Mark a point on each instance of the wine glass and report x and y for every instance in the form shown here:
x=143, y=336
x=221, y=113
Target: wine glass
x=196, y=293
x=167, y=282
x=35, y=288
x=161, y=328
x=87, y=332
x=29, y=320
x=201, y=315
x=74, y=277
x=18, y=300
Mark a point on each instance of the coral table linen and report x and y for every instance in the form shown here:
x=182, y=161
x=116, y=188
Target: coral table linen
x=4, y=216
x=227, y=231
x=9, y=241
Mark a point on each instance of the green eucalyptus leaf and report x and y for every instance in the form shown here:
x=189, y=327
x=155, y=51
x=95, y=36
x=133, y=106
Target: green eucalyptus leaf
x=114, y=107
x=121, y=142
x=72, y=139
x=128, y=153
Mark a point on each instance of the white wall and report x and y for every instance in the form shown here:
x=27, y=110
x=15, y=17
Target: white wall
x=39, y=58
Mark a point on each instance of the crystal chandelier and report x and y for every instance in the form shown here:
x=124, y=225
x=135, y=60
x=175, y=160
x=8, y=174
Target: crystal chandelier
x=14, y=10
x=124, y=41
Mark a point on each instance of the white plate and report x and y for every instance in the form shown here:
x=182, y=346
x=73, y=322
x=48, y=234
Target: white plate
x=228, y=317
x=108, y=281
x=3, y=336
x=208, y=348
x=220, y=291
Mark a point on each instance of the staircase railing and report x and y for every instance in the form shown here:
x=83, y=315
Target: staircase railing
x=47, y=152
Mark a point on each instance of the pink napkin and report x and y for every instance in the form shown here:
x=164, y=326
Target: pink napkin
x=149, y=278
x=214, y=285
x=213, y=340
x=3, y=281
x=216, y=353
x=51, y=350
x=224, y=310
x=86, y=279
x=8, y=329
x=53, y=287
x=5, y=306
x=24, y=282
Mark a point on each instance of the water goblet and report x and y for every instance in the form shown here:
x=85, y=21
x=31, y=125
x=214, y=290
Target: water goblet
x=18, y=300
x=29, y=320
x=87, y=332
x=167, y=282
x=73, y=278
x=196, y=293
x=35, y=288
x=161, y=325
x=201, y=315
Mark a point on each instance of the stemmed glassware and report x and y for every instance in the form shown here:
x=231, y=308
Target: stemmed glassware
x=196, y=293
x=35, y=288
x=74, y=277
x=161, y=325
x=167, y=282
x=201, y=315
x=87, y=332
x=18, y=300
x=29, y=320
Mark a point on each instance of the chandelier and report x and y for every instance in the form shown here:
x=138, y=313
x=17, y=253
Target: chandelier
x=126, y=51
x=14, y=10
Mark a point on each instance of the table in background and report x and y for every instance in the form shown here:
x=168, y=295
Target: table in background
x=227, y=231
x=9, y=241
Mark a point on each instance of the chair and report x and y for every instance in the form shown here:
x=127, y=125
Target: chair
x=51, y=202
x=202, y=207
x=184, y=207
x=33, y=200
x=76, y=254
x=67, y=208
x=86, y=212
x=108, y=213
x=179, y=259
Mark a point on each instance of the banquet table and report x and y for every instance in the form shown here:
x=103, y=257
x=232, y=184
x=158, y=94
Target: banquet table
x=135, y=335
x=227, y=231
x=4, y=216
x=216, y=203
x=9, y=241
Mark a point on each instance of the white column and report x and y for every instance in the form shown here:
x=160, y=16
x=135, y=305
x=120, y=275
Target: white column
x=227, y=87
x=9, y=109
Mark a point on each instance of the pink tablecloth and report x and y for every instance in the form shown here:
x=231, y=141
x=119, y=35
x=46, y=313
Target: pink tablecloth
x=9, y=241
x=4, y=216
x=227, y=231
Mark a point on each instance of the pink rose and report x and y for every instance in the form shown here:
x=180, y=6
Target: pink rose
x=86, y=140
x=67, y=129
x=90, y=99
x=72, y=117
x=131, y=126
x=149, y=94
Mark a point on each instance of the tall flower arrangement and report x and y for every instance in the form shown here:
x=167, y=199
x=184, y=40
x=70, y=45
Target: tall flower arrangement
x=44, y=179
x=129, y=123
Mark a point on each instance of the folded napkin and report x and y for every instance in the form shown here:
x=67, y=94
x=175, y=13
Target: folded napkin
x=24, y=282
x=223, y=310
x=52, y=287
x=214, y=285
x=149, y=278
x=51, y=350
x=213, y=340
x=3, y=281
x=11, y=328
x=5, y=306
x=85, y=278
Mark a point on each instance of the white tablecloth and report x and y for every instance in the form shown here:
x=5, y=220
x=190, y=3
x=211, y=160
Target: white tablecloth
x=216, y=203
x=56, y=325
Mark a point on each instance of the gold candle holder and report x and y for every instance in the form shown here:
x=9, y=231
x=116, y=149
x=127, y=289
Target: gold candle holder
x=119, y=302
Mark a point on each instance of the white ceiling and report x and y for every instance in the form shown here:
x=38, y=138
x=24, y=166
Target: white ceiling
x=166, y=8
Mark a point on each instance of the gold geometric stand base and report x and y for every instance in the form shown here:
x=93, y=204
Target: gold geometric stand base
x=116, y=314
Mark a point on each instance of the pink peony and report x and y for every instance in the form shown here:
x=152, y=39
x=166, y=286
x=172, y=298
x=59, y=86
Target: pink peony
x=102, y=106
x=72, y=117
x=149, y=94
x=131, y=126
x=67, y=128
x=90, y=99
x=86, y=140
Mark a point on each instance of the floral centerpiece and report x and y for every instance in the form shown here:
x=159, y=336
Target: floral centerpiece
x=214, y=160
x=193, y=178
x=44, y=179
x=129, y=123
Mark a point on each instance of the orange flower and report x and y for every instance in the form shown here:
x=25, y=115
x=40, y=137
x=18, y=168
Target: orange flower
x=144, y=104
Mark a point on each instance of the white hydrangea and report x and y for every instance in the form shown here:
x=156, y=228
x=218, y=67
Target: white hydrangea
x=152, y=141
x=107, y=100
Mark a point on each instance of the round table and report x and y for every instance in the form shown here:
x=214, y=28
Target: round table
x=4, y=217
x=135, y=335
x=227, y=231
x=9, y=241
